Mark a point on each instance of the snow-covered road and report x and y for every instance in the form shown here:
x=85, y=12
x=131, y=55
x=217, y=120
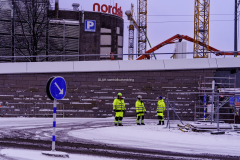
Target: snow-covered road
x=102, y=138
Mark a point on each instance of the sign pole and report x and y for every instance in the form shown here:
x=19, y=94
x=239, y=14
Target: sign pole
x=54, y=124
x=56, y=90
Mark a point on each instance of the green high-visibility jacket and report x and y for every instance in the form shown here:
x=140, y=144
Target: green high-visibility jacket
x=119, y=105
x=140, y=107
x=161, y=107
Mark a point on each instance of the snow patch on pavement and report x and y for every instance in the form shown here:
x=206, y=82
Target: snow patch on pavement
x=24, y=154
x=156, y=137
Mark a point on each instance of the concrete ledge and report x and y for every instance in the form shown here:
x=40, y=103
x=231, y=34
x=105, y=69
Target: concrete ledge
x=212, y=63
x=186, y=64
x=141, y=65
x=39, y=67
x=113, y=66
x=228, y=62
x=93, y=66
x=6, y=68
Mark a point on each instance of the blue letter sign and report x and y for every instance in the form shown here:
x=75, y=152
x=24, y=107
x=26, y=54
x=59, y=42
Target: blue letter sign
x=90, y=25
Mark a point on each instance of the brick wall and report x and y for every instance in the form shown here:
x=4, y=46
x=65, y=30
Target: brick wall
x=84, y=90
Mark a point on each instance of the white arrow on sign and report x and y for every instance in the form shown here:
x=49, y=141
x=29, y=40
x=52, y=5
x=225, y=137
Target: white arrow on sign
x=61, y=90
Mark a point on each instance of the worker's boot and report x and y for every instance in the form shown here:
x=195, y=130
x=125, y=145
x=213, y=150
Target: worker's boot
x=162, y=122
x=138, y=123
x=115, y=124
x=120, y=124
x=142, y=124
x=159, y=123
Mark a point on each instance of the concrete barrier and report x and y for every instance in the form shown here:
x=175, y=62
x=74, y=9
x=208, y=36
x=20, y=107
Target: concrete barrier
x=113, y=66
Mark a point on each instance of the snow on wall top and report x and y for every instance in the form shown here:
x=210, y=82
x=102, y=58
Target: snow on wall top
x=113, y=66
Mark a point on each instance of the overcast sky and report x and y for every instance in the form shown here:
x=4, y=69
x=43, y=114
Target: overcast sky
x=161, y=25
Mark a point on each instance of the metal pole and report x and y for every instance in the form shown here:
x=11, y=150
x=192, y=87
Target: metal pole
x=56, y=8
x=235, y=29
x=47, y=33
x=213, y=86
x=34, y=109
x=98, y=107
x=6, y=109
x=13, y=31
x=54, y=124
x=64, y=34
x=137, y=32
x=176, y=113
x=173, y=109
x=204, y=100
x=195, y=112
x=234, y=106
x=168, y=122
x=218, y=112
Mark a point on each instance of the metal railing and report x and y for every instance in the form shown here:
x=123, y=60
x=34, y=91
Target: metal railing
x=30, y=110
x=96, y=57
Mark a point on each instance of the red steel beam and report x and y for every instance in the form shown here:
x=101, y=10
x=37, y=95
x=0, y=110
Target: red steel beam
x=180, y=37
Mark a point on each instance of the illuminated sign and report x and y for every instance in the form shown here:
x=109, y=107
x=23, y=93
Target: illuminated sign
x=108, y=9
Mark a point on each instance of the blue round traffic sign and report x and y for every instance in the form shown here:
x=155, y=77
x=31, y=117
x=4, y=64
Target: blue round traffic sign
x=57, y=87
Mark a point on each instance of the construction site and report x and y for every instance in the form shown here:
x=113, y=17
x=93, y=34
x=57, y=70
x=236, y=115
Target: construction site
x=202, y=88
x=85, y=45
x=217, y=95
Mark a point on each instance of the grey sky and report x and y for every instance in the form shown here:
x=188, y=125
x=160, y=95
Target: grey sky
x=162, y=27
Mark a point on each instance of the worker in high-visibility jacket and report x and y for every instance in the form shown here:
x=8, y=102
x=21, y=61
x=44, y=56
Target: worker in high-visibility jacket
x=140, y=110
x=119, y=108
x=161, y=107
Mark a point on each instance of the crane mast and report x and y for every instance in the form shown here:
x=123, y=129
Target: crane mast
x=201, y=28
x=131, y=35
x=142, y=27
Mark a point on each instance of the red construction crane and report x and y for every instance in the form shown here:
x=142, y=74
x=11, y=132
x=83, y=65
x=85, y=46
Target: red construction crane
x=180, y=38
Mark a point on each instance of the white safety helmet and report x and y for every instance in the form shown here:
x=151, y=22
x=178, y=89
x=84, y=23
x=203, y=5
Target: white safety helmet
x=139, y=96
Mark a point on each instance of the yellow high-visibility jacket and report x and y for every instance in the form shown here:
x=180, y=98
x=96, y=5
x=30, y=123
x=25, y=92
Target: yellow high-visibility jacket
x=119, y=105
x=161, y=107
x=140, y=107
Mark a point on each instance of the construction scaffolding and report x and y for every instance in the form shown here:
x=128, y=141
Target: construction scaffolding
x=221, y=92
x=178, y=107
x=201, y=125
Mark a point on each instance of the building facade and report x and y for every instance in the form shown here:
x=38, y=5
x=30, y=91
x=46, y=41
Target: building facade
x=106, y=38
x=65, y=37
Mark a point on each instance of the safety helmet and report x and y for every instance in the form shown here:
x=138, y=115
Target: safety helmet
x=139, y=96
x=119, y=94
x=160, y=97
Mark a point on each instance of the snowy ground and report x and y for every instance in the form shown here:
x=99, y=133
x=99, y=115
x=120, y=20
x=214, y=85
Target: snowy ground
x=156, y=137
x=102, y=131
x=23, y=154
